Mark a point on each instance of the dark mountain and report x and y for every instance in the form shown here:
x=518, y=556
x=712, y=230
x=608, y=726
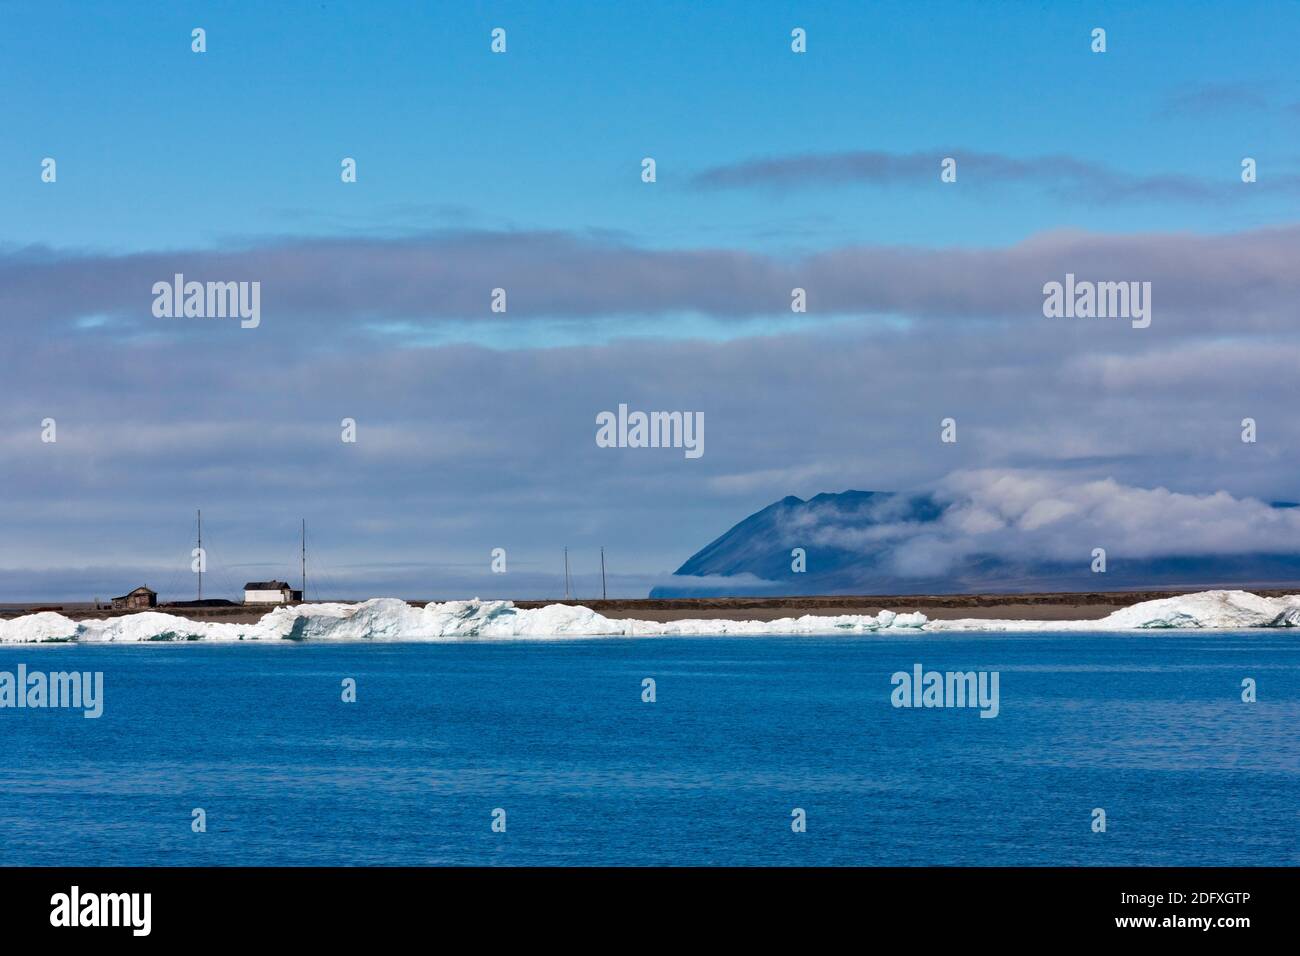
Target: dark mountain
x=756, y=556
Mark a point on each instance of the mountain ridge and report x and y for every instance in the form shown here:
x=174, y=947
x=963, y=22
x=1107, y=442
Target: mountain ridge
x=754, y=557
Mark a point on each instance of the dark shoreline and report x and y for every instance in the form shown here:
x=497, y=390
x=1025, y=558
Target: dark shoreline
x=1044, y=606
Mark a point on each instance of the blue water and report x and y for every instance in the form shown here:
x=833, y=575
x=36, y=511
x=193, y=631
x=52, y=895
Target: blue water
x=1150, y=728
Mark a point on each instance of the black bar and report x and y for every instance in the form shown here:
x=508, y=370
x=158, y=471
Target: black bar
x=332, y=905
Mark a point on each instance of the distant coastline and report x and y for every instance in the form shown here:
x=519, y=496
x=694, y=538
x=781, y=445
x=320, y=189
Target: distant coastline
x=1044, y=606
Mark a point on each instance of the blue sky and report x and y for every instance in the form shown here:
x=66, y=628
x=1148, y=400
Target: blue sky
x=160, y=147
x=523, y=169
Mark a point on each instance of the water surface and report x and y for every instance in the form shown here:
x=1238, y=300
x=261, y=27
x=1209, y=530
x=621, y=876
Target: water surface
x=1151, y=728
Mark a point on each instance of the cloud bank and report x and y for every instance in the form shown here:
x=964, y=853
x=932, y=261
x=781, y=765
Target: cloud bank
x=157, y=417
x=1061, y=176
x=1031, y=516
x=348, y=288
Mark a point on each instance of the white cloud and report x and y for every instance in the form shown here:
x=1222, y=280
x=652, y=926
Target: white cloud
x=1045, y=516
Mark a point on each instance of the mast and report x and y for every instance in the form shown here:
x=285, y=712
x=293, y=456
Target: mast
x=201, y=558
x=566, y=574
x=603, y=595
x=304, y=559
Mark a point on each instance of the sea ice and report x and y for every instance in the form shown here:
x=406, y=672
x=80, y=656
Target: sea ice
x=391, y=619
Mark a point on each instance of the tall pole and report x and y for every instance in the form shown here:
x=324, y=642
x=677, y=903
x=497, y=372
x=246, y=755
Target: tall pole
x=201, y=558
x=566, y=574
x=304, y=559
x=603, y=595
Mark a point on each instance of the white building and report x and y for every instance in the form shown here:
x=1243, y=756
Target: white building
x=270, y=592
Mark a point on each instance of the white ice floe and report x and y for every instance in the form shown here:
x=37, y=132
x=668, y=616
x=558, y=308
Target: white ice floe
x=390, y=619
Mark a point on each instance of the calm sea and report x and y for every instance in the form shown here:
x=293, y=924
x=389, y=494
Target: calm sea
x=1152, y=729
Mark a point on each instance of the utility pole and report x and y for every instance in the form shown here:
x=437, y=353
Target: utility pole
x=304, y=559
x=201, y=558
x=603, y=595
x=566, y=574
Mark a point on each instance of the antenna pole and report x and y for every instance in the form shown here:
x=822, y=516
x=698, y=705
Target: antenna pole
x=566, y=574
x=201, y=558
x=603, y=595
x=304, y=559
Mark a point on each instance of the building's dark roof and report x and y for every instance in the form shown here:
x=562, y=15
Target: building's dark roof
x=123, y=597
x=265, y=586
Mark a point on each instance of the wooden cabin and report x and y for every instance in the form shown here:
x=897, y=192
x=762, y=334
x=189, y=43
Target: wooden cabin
x=140, y=597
